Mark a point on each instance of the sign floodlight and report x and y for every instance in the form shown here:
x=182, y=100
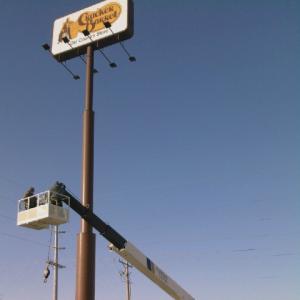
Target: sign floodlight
x=47, y=48
x=130, y=57
x=111, y=63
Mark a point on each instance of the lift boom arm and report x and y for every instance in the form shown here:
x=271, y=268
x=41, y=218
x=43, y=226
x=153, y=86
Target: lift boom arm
x=124, y=248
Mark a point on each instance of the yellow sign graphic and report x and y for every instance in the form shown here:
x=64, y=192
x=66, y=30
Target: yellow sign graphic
x=91, y=21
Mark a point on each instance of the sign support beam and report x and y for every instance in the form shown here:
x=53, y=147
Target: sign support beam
x=86, y=239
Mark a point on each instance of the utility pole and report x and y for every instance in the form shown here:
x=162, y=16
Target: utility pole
x=86, y=239
x=54, y=263
x=126, y=274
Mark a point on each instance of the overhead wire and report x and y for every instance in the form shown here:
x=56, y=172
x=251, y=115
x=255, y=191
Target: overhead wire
x=23, y=239
x=11, y=181
x=49, y=245
x=7, y=217
x=46, y=271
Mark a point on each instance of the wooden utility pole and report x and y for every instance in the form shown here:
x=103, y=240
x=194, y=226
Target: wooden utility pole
x=126, y=274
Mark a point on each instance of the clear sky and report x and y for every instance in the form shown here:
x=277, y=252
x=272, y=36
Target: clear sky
x=196, y=147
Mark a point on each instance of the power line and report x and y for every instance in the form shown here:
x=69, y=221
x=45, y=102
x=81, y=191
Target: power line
x=9, y=180
x=7, y=217
x=23, y=239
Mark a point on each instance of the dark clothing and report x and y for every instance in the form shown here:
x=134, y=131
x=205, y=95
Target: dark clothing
x=55, y=193
x=30, y=202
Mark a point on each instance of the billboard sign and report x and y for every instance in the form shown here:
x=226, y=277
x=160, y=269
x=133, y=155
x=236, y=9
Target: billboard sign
x=68, y=40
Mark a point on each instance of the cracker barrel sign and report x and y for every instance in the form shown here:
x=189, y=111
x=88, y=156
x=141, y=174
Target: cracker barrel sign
x=119, y=13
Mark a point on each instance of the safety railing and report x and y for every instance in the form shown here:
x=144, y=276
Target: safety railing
x=42, y=199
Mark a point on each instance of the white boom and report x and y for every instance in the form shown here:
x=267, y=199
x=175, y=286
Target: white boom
x=135, y=257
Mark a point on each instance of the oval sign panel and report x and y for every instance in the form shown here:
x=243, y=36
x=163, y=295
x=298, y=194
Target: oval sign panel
x=119, y=13
x=92, y=21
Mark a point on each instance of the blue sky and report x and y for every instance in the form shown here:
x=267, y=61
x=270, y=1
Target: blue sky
x=196, y=147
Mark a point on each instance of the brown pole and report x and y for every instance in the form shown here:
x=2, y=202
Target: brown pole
x=85, y=275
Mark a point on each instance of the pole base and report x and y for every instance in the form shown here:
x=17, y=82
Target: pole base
x=85, y=273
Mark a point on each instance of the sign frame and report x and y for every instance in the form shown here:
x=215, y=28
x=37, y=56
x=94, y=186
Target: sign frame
x=89, y=19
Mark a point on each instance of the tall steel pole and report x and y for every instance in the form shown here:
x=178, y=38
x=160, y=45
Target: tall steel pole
x=85, y=276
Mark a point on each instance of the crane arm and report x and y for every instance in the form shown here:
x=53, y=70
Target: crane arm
x=123, y=247
x=104, y=229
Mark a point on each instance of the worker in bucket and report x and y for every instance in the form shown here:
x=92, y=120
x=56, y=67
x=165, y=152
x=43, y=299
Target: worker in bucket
x=31, y=201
